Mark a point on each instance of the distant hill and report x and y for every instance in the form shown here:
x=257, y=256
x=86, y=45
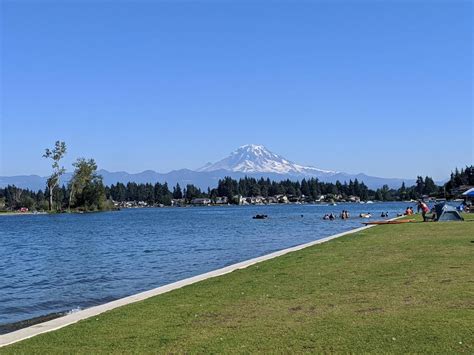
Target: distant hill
x=249, y=160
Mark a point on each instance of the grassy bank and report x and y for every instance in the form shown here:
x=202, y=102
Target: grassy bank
x=396, y=288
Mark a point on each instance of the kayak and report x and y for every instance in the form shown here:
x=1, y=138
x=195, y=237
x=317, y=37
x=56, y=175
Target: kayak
x=390, y=222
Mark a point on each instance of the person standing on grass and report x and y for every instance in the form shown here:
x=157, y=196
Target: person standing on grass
x=424, y=209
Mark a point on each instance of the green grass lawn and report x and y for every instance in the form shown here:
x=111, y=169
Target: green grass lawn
x=394, y=288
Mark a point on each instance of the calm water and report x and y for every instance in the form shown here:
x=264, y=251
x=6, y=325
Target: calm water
x=58, y=263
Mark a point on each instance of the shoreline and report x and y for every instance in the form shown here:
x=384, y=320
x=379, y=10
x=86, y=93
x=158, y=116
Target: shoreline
x=22, y=324
x=316, y=204
x=43, y=213
x=22, y=213
x=68, y=319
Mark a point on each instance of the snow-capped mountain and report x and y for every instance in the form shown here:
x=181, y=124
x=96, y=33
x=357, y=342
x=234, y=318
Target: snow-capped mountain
x=253, y=158
x=249, y=160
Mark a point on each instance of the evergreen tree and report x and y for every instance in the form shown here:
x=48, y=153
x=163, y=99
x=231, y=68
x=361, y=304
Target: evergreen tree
x=429, y=186
x=177, y=193
x=378, y=195
x=403, y=192
x=386, y=193
x=305, y=190
x=420, y=186
x=192, y=192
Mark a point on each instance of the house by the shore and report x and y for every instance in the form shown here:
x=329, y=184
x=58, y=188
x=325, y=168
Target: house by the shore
x=201, y=201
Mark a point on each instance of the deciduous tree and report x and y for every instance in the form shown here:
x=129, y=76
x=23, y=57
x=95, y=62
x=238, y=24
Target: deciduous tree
x=56, y=154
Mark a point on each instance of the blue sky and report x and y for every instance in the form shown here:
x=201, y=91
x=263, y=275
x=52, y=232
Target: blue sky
x=383, y=88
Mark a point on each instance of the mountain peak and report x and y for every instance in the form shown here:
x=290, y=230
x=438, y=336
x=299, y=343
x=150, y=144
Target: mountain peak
x=253, y=147
x=256, y=158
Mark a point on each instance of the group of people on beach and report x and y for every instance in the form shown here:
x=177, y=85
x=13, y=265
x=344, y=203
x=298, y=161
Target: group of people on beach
x=409, y=211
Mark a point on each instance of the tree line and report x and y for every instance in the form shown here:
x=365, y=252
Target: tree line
x=459, y=178
x=308, y=189
x=85, y=191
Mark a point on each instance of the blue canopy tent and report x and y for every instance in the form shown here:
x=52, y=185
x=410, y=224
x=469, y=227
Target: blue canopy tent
x=469, y=193
x=468, y=198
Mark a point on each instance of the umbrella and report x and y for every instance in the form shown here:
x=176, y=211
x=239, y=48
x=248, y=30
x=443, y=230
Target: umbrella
x=469, y=193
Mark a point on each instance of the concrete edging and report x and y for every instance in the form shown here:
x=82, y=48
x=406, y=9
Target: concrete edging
x=72, y=318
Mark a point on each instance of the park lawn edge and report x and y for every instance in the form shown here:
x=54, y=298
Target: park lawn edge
x=56, y=323
x=397, y=288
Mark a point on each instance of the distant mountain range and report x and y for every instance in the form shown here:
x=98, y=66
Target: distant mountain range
x=249, y=160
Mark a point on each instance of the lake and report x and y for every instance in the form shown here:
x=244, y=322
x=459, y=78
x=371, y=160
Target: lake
x=66, y=262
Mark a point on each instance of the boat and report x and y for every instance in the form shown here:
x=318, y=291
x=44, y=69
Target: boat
x=389, y=222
